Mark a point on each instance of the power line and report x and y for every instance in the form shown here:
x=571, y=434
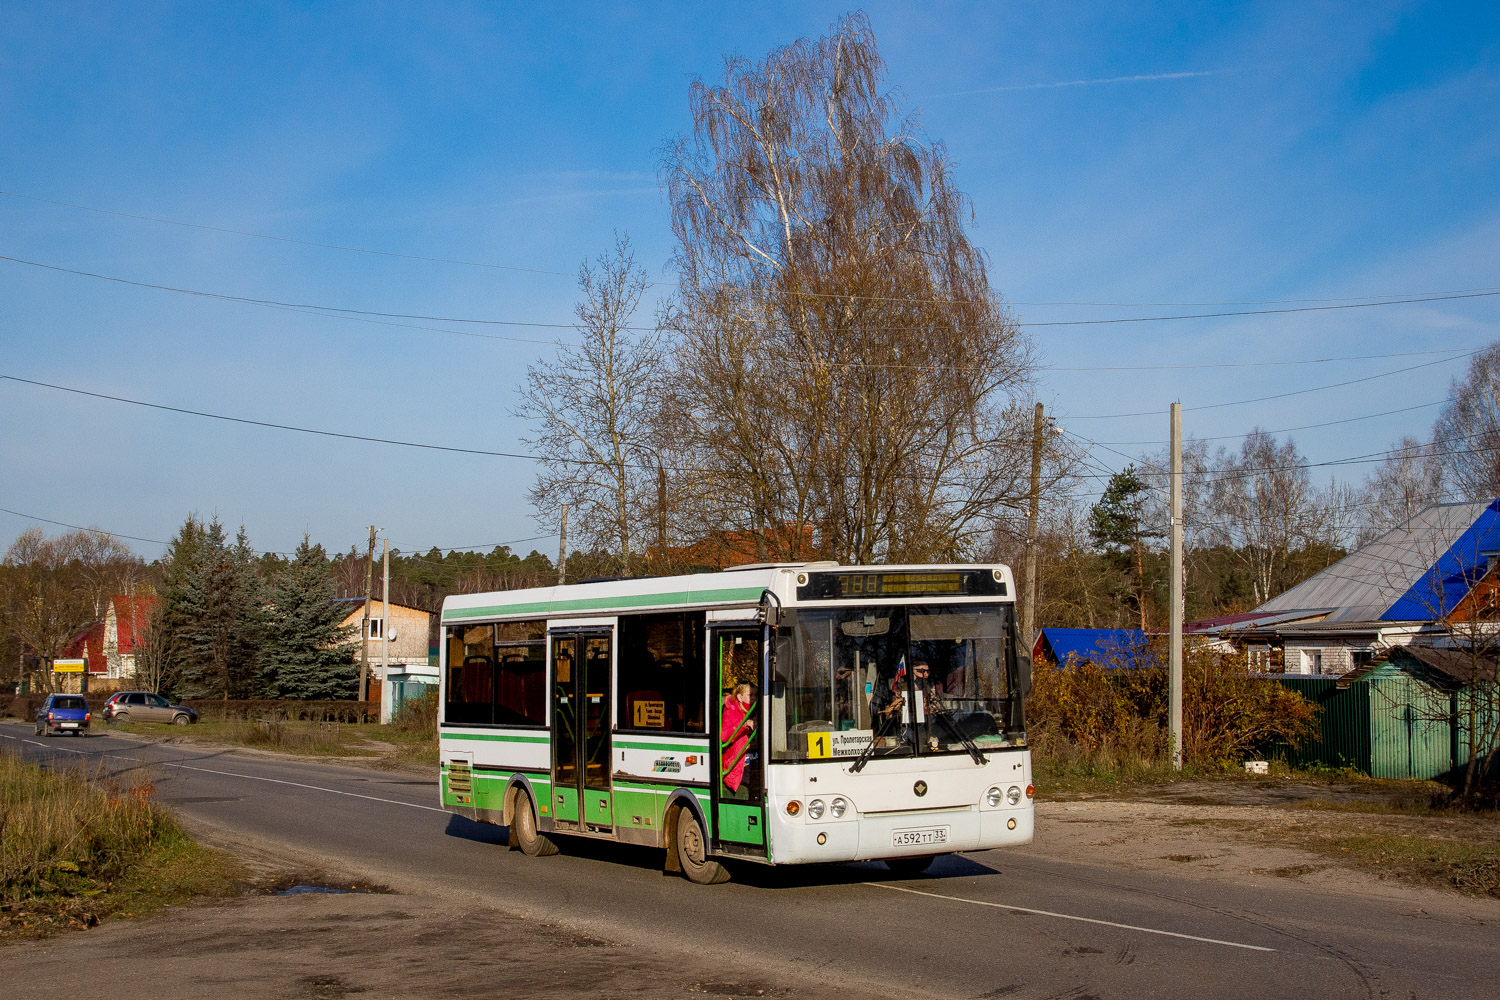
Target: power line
x=1279, y=395
x=250, y=300
x=1252, y=364
x=296, y=242
x=1264, y=312
x=77, y=527
x=307, y=306
x=276, y=426
x=267, y=552
x=1415, y=296
x=1284, y=430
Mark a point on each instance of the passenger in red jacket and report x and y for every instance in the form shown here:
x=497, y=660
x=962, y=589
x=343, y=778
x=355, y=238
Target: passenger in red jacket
x=734, y=731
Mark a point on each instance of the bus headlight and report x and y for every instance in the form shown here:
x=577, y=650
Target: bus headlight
x=837, y=807
x=1013, y=794
x=815, y=809
x=992, y=797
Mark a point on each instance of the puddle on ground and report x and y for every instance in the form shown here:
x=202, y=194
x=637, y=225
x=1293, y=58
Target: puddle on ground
x=306, y=885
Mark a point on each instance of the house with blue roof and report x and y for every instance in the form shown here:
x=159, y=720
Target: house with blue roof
x=1107, y=647
x=1401, y=589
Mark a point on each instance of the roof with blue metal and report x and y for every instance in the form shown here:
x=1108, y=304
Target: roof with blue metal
x=1108, y=647
x=1416, y=572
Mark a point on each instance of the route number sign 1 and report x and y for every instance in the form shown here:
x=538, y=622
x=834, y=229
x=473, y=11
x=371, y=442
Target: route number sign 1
x=820, y=744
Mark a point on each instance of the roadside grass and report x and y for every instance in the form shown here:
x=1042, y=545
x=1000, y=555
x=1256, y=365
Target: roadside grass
x=74, y=851
x=390, y=746
x=1471, y=867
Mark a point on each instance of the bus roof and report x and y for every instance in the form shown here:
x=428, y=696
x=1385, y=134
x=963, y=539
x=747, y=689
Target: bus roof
x=742, y=586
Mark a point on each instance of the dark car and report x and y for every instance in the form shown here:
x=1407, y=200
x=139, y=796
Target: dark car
x=63, y=713
x=146, y=706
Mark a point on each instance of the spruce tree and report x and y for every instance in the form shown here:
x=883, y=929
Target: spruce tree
x=180, y=566
x=222, y=608
x=309, y=655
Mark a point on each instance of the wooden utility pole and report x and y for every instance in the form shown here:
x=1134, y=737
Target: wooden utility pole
x=364, y=629
x=1176, y=596
x=562, y=550
x=1028, y=610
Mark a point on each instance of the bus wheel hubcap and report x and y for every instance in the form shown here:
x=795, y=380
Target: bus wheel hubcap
x=692, y=843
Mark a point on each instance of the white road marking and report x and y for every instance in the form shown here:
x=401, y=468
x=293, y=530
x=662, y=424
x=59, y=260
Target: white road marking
x=1069, y=916
x=234, y=774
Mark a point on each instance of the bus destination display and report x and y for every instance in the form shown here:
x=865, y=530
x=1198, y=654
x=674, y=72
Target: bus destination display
x=950, y=583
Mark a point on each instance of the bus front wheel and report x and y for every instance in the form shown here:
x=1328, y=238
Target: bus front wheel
x=692, y=852
x=532, y=842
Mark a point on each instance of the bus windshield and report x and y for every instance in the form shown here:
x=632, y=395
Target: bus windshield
x=909, y=680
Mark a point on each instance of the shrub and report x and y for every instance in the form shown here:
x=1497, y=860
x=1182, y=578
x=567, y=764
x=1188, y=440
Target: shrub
x=1117, y=715
x=418, y=715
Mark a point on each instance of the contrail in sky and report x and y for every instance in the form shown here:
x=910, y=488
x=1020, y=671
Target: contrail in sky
x=1084, y=83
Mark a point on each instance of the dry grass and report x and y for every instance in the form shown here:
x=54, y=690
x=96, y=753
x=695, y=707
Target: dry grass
x=391, y=746
x=75, y=848
x=1468, y=866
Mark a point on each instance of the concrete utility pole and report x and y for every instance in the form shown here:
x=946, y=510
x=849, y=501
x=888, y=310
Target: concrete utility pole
x=385, y=637
x=364, y=629
x=1028, y=611
x=562, y=550
x=1175, y=667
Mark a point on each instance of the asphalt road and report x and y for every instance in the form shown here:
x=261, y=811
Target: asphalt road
x=994, y=924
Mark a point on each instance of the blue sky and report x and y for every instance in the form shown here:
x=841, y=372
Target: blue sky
x=1124, y=160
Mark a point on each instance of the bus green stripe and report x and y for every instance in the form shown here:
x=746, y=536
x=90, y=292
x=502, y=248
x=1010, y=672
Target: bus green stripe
x=733, y=595
x=680, y=747
x=496, y=738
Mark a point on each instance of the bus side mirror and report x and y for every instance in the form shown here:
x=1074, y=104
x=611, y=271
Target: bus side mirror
x=1023, y=674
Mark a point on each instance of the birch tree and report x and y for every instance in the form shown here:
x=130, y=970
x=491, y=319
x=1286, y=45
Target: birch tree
x=843, y=369
x=1266, y=508
x=592, y=408
x=1466, y=435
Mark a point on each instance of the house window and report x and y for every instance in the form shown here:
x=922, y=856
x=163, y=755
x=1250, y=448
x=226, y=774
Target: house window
x=376, y=628
x=1315, y=663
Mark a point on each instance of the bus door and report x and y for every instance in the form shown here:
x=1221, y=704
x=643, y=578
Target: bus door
x=740, y=783
x=580, y=731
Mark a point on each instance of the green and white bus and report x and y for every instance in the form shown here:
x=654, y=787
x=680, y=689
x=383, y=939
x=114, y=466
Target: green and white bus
x=779, y=714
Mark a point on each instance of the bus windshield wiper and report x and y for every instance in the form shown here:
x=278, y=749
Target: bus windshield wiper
x=940, y=709
x=876, y=734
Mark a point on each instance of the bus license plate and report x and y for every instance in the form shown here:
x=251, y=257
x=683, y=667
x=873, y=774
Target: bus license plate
x=913, y=838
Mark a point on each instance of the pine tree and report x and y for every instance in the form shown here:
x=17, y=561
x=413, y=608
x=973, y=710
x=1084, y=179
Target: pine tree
x=308, y=654
x=1115, y=525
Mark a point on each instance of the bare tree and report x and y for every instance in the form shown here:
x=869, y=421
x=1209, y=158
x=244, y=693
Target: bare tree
x=155, y=646
x=1410, y=479
x=1267, y=509
x=592, y=408
x=56, y=587
x=1466, y=436
x=842, y=364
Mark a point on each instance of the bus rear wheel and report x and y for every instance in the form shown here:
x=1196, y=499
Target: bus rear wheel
x=910, y=866
x=532, y=842
x=692, y=852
